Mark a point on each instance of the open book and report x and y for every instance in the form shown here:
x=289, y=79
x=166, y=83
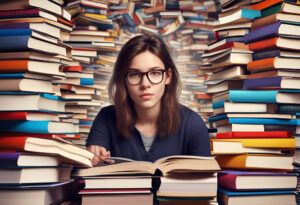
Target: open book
x=166, y=165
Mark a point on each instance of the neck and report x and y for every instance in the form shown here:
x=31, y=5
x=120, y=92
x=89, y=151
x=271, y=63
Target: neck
x=147, y=116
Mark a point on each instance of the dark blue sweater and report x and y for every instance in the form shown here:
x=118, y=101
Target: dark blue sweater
x=191, y=138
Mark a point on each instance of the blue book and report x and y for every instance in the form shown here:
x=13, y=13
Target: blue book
x=264, y=32
x=129, y=20
x=217, y=118
x=254, y=193
x=264, y=83
x=263, y=96
x=42, y=127
x=86, y=81
x=264, y=121
x=14, y=43
x=15, y=32
x=266, y=54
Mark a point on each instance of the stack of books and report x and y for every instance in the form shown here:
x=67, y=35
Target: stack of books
x=254, y=135
x=175, y=179
x=93, y=47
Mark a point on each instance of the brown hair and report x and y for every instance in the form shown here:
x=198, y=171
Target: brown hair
x=169, y=117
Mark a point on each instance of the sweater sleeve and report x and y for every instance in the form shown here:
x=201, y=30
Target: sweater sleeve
x=100, y=134
x=198, y=142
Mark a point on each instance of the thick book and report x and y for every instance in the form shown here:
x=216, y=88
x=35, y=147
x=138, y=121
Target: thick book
x=276, y=42
x=245, y=107
x=274, y=73
x=23, y=13
x=263, y=96
x=273, y=83
x=273, y=30
x=275, y=53
x=32, y=175
x=25, y=42
x=277, y=17
x=39, y=67
x=43, y=194
x=188, y=186
x=246, y=181
x=68, y=152
x=30, y=102
x=26, y=85
x=31, y=116
x=282, y=197
x=248, y=145
x=256, y=162
x=43, y=4
x=274, y=64
x=240, y=16
x=292, y=109
x=258, y=127
x=26, y=159
x=42, y=127
x=180, y=163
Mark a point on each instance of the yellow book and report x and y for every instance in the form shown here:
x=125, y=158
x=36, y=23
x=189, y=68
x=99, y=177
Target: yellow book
x=261, y=145
x=251, y=161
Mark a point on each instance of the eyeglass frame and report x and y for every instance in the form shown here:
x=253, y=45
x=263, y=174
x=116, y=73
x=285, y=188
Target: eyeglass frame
x=146, y=73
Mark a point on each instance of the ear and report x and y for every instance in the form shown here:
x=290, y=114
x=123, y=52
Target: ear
x=168, y=76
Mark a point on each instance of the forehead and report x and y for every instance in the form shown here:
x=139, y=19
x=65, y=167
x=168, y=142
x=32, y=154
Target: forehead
x=146, y=60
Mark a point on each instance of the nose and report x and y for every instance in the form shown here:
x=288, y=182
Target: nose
x=145, y=81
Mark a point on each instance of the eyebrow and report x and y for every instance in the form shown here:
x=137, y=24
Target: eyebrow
x=149, y=69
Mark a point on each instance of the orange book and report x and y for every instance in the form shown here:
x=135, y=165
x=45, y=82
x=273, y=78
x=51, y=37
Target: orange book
x=269, y=43
x=256, y=162
x=265, y=4
x=261, y=65
x=68, y=152
x=16, y=66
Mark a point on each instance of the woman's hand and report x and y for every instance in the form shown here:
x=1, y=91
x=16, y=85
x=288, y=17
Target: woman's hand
x=100, y=154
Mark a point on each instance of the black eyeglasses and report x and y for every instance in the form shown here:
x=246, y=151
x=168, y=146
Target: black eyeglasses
x=154, y=76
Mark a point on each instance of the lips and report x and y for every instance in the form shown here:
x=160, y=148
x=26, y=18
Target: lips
x=145, y=96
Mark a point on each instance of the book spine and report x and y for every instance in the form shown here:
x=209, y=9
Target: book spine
x=15, y=32
x=261, y=65
x=13, y=115
x=262, y=33
x=24, y=126
x=14, y=43
x=9, y=159
x=86, y=81
x=266, y=44
x=13, y=143
x=250, y=14
x=260, y=83
x=265, y=54
x=291, y=109
x=266, y=134
x=244, y=96
x=19, y=13
x=264, y=121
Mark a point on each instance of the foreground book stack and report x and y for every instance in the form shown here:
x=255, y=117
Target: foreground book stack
x=175, y=179
x=253, y=133
x=38, y=170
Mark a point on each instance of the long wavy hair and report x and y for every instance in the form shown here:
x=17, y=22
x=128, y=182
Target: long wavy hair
x=169, y=117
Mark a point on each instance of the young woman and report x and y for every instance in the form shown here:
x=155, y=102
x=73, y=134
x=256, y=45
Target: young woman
x=146, y=121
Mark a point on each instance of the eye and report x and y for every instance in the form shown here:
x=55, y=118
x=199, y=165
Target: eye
x=155, y=73
x=134, y=74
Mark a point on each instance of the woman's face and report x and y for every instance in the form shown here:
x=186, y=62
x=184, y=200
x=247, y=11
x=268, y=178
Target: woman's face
x=147, y=95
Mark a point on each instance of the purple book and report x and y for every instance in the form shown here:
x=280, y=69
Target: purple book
x=262, y=83
x=264, y=32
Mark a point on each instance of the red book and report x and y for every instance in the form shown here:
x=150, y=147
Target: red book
x=235, y=180
x=45, y=136
x=28, y=116
x=72, y=68
x=266, y=134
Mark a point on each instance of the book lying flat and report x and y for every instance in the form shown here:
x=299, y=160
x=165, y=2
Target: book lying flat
x=43, y=194
x=171, y=164
x=68, y=152
x=257, y=197
x=236, y=180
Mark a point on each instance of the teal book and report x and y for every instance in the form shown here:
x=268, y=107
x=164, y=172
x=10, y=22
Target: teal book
x=42, y=127
x=264, y=121
x=264, y=96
